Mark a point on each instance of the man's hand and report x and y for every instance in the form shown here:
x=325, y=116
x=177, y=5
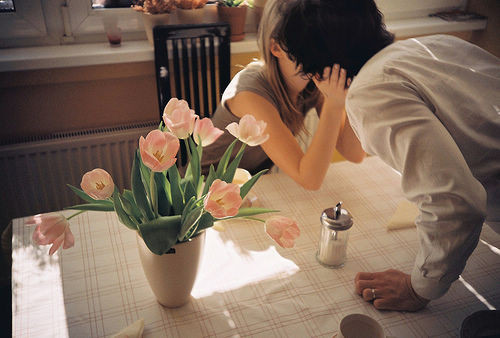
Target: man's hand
x=333, y=86
x=389, y=290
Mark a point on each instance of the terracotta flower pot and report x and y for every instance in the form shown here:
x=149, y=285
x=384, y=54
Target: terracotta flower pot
x=189, y=16
x=152, y=20
x=171, y=276
x=236, y=17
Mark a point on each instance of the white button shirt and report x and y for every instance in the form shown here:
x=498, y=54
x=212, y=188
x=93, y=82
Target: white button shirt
x=430, y=108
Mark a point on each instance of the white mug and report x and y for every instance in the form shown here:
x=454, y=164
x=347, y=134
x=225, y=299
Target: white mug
x=359, y=326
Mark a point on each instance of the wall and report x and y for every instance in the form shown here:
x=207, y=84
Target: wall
x=41, y=102
x=61, y=99
x=489, y=38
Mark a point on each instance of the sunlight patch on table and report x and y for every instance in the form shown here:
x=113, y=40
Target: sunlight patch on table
x=30, y=291
x=237, y=269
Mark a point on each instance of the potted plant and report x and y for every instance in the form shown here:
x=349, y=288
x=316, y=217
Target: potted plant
x=190, y=11
x=234, y=12
x=154, y=13
x=170, y=213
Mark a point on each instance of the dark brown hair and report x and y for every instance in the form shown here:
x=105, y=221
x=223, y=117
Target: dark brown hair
x=320, y=33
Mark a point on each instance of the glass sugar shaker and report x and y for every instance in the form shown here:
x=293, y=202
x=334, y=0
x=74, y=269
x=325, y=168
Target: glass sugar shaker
x=335, y=225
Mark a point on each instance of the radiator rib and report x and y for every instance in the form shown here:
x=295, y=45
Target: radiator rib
x=35, y=174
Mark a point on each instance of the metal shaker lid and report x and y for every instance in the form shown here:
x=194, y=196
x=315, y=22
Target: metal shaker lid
x=336, y=218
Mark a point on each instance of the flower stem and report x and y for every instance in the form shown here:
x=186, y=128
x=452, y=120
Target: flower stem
x=152, y=189
x=188, y=149
x=254, y=219
x=75, y=214
x=242, y=148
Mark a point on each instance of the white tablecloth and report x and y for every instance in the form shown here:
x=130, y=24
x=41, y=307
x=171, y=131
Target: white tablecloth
x=246, y=286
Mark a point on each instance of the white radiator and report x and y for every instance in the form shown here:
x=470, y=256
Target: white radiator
x=34, y=173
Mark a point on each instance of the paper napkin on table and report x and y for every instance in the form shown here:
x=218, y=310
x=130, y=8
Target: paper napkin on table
x=134, y=330
x=404, y=217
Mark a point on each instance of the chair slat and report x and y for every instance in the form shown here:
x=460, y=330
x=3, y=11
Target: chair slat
x=177, y=68
x=204, y=77
x=211, y=58
x=194, y=75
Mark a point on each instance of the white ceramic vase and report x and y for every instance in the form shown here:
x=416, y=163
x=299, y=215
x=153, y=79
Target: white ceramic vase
x=171, y=276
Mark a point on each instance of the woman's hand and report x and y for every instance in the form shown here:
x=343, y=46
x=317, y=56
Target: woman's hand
x=333, y=87
x=389, y=290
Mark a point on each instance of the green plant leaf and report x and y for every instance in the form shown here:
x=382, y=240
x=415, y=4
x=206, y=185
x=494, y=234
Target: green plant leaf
x=244, y=212
x=189, y=190
x=175, y=190
x=161, y=234
x=231, y=169
x=189, y=222
x=122, y=215
x=82, y=194
x=187, y=209
x=195, y=168
x=138, y=189
x=250, y=183
x=206, y=221
x=221, y=168
x=145, y=177
x=163, y=193
x=92, y=206
x=129, y=205
x=210, y=179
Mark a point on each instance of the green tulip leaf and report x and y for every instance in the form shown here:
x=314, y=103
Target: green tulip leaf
x=145, y=177
x=164, y=204
x=129, y=204
x=84, y=196
x=189, y=222
x=187, y=209
x=161, y=234
x=138, y=189
x=206, y=221
x=175, y=190
x=194, y=163
x=210, y=179
x=244, y=212
x=250, y=183
x=231, y=169
x=189, y=190
x=122, y=215
x=92, y=206
x=221, y=168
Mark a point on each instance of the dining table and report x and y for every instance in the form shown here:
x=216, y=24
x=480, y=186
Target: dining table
x=247, y=285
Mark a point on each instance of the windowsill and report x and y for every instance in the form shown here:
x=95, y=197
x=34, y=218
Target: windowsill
x=15, y=59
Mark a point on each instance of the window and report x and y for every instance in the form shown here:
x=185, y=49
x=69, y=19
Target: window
x=405, y=9
x=45, y=22
x=111, y=3
x=7, y=6
x=22, y=19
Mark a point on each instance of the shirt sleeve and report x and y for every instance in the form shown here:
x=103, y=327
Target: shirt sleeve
x=393, y=122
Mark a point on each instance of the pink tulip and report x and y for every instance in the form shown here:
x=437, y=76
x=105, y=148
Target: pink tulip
x=249, y=130
x=52, y=228
x=204, y=129
x=283, y=230
x=178, y=118
x=175, y=103
x=158, y=150
x=98, y=184
x=223, y=199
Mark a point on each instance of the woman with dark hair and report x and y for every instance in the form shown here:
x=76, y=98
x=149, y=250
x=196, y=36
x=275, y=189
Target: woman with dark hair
x=430, y=108
x=274, y=90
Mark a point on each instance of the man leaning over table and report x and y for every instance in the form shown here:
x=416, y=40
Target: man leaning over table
x=429, y=108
